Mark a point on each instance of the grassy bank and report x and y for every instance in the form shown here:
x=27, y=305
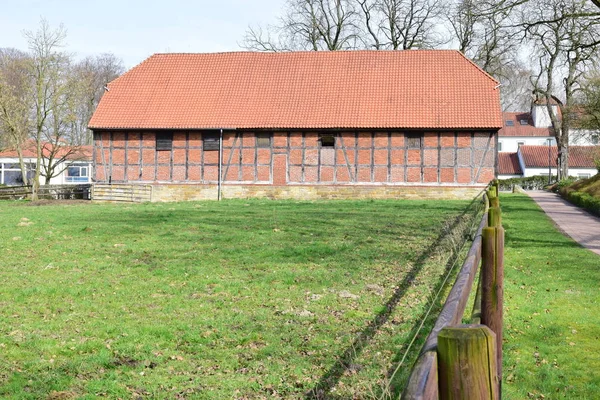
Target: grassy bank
x=238, y=299
x=584, y=193
x=552, y=324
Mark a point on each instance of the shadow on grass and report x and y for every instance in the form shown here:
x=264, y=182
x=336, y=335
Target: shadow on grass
x=344, y=362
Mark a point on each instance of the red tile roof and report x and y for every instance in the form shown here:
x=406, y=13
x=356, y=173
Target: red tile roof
x=78, y=153
x=508, y=164
x=579, y=156
x=339, y=89
x=518, y=130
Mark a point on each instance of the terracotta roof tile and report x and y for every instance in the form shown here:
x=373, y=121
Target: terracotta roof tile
x=341, y=89
x=508, y=164
x=78, y=153
x=519, y=130
x=579, y=156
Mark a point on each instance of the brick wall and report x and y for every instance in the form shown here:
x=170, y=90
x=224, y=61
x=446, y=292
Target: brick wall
x=374, y=158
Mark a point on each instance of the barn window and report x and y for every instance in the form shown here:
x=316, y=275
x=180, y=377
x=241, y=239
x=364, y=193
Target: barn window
x=164, y=141
x=413, y=140
x=510, y=122
x=263, y=140
x=327, y=140
x=523, y=122
x=210, y=141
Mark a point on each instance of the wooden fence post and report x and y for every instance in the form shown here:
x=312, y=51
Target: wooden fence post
x=466, y=363
x=492, y=288
x=494, y=216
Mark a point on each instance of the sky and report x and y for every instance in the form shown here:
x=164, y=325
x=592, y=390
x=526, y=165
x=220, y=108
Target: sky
x=134, y=29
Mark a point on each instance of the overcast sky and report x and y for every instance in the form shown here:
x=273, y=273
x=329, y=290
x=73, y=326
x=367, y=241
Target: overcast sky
x=135, y=29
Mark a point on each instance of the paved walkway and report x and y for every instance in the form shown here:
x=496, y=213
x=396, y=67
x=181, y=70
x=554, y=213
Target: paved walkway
x=581, y=226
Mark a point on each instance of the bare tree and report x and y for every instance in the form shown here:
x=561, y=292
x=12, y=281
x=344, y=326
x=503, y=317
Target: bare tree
x=47, y=72
x=516, y=87
x=566, y=46
x=308, y=25
x=15, y=103
x=92, y=74
x=588, y=117
x=402, y=24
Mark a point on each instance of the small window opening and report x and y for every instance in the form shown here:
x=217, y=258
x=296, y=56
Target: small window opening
x=523, y=122
x=413, y=141
x=499, y=146
x=164, y=141
x=263, y=140
x=510, y=122
x=210, y=141
x=327, y=141
x=519, y=144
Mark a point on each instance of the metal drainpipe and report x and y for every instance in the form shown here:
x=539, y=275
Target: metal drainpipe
x=220, y=159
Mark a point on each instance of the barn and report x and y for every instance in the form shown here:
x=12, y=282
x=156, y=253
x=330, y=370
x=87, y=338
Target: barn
x=344, y=124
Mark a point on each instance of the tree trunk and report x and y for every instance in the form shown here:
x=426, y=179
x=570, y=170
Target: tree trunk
x=22, y=166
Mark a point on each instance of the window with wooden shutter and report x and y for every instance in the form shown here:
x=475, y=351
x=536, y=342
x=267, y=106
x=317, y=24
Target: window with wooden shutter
x=263, y=140
x=413, y=140
x=210, y=141
x=164, y=141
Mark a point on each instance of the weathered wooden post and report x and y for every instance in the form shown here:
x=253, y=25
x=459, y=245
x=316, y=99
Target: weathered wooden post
x=466, y=363
x=492, y=275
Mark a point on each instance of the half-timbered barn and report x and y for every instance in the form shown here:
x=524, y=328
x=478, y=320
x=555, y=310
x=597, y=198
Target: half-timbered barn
x=419, y=123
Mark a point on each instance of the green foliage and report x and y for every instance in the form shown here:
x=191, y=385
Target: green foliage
x=551, y=328
x=216, y=300
x=537, y=182
x=584, y=193
x=565, y=182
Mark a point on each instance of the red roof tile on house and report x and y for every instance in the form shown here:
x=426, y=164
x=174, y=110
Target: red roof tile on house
x=579, y=156
x=72, y=153
x=508, y=164
x=519, y=130
x=339, y=89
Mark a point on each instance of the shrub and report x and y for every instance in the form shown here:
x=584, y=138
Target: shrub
x=537, y=182
x=584, y=200
x=563, y=183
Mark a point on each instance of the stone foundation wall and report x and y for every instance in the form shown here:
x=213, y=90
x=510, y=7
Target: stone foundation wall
x=168, y=192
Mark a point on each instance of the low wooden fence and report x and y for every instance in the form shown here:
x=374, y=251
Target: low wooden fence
x=47, y=192
x=122, y=192
x=465, y=361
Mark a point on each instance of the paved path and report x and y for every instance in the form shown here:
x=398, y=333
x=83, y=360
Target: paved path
x=581, y=226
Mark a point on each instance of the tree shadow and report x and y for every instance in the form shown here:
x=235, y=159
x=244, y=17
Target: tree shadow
x=345, y=362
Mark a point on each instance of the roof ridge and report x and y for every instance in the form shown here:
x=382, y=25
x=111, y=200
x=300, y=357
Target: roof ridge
x=308, y=52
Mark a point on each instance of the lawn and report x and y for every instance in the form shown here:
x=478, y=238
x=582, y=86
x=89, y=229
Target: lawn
x=552, y=298
x=232, y=299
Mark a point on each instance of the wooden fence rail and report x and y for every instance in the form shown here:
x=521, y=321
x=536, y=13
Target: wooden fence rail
x=47, y=192
x=434, y=373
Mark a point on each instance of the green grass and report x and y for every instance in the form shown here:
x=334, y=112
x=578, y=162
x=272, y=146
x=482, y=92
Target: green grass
x=237, y=299
x=552, y=298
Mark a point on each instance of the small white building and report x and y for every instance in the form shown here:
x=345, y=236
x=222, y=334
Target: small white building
x=532, y=160
x=76, y=168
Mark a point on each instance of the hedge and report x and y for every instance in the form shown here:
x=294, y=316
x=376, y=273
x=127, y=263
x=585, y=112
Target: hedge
x=537, y=182
x=583, y=200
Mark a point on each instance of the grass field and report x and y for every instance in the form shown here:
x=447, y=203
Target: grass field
x=552, y=300
x=237, y=299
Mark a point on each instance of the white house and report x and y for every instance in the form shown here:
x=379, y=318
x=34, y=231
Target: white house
x=76, y=167
x=535, y=128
